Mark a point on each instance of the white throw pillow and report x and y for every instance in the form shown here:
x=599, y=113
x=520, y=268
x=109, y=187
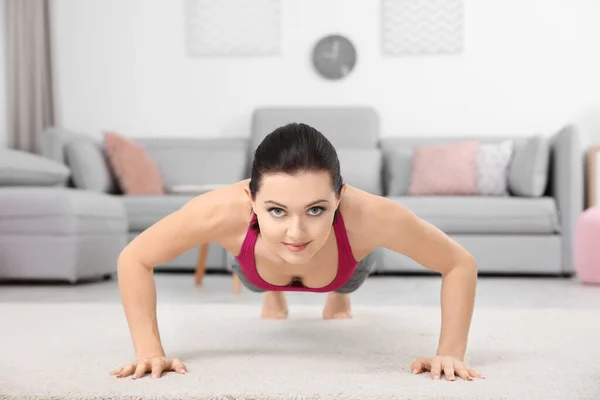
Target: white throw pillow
x=493, y=162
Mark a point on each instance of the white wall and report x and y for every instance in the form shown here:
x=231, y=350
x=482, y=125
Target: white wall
x=528, y=66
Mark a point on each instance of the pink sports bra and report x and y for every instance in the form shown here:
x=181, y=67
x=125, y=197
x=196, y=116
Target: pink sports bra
x=346, y=262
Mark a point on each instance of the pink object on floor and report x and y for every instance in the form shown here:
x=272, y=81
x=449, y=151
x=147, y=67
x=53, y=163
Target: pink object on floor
x=586, y=244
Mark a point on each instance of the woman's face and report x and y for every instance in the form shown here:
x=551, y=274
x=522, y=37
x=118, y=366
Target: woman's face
x=295, y=210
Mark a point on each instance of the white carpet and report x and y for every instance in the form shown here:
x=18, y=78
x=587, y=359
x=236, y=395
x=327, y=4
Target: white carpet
x=67, y=351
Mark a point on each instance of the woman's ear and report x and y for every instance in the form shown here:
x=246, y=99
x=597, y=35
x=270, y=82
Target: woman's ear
x=342, y=193
x=249, y=194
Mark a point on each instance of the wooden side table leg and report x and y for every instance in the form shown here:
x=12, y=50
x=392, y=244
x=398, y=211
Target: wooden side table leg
x=237, y=284
x=591, y=185
x=201, y=264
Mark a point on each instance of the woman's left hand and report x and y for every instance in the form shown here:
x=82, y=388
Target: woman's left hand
x=449, y=365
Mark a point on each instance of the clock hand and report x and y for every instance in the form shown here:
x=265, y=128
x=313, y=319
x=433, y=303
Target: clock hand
x=336, y=49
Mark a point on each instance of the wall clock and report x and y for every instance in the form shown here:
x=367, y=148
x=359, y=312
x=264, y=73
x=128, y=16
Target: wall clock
x=334, y=57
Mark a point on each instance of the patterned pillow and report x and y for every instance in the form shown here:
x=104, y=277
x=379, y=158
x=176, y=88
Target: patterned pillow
x=493, y=161
x=445, y=169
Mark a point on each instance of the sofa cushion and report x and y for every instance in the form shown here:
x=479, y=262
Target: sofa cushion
x=50, y=210
x=486, y=214
x=397, y=170
x=89, y=166
x=136, y=171
x=144, y=211
x=361, y=168
x=528, y=174
x=54, y=143
x=21, y=168
x=527, y=169
x=493, y=162
x=445, y=169
x=53, y=140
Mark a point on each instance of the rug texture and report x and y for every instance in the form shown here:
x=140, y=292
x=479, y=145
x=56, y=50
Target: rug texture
x=67, y=351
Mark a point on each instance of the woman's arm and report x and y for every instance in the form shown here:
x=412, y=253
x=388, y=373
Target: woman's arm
x=397, y=228
x=197, y=222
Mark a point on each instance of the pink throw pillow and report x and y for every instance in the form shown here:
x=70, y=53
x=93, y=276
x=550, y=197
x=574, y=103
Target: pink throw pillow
x=445, y=169
x=135, y=170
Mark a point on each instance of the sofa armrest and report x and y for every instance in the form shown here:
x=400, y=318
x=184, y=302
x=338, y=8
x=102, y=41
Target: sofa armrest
x=566, y=185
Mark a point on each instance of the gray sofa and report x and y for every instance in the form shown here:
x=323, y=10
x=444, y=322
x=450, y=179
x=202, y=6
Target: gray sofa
x=181, y=161
x=509, y=234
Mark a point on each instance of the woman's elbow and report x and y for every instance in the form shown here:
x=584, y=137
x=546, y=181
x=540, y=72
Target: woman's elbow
x=127, y=257
x=468, y=262
x=465, y=261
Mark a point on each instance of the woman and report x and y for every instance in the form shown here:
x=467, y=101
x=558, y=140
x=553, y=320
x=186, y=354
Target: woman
x=295, y=226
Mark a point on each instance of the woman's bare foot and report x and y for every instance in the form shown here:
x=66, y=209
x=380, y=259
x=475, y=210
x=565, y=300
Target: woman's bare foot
x=337, y=306
x=274, y=306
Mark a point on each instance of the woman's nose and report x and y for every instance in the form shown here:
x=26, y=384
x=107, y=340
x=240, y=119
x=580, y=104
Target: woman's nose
x=296, y=230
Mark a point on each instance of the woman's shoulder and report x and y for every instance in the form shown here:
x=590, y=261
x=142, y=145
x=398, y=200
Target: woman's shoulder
x=231, y=210
x=355, y=206
x=229, y=202
x=367, y=216
x=358, y=209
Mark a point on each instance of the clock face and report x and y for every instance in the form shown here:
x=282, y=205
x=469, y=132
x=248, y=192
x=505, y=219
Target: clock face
x=334, y=57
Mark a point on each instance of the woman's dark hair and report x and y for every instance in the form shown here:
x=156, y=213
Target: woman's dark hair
x=292, y=149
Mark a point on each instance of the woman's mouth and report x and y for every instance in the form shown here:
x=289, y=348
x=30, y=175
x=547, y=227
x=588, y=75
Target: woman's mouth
x=296, y=247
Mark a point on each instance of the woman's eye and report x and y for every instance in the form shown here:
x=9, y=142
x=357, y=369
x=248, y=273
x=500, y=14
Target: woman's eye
x=319, y=210
x=278, y=212
x=276, y=209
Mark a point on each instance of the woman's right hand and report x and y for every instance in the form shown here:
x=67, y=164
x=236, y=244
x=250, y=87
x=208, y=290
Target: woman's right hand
x=154, y=365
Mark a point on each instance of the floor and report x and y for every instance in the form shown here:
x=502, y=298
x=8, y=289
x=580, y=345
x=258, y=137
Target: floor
x=556, y=318
x=419, y=290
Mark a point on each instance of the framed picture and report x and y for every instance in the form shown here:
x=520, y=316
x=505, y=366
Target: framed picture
x=233, y=28
x=422, y=27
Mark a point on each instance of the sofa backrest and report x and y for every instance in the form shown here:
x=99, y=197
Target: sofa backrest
x=397, y=156
x=181, y=161
x=353, y=131
x=415, y=141
x=198, y=161
x=345, y=127
x=564, y=175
